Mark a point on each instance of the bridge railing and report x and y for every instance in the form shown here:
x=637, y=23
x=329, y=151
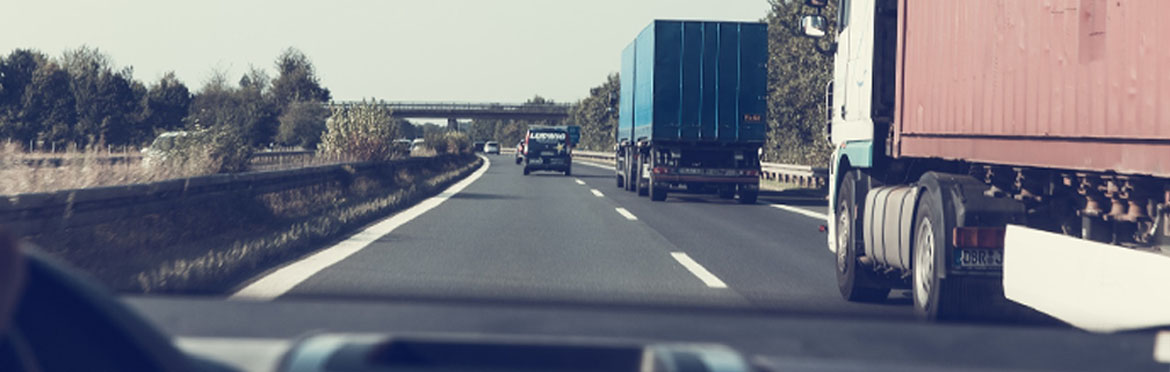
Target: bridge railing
x=802, y=175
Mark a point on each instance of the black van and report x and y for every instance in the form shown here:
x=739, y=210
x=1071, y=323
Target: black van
x=547, y=149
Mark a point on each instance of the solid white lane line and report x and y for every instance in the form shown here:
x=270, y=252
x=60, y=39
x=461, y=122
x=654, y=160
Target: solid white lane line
x=698, y=270
x=284, y=279
x=627, y=214
x=579, y=181
x=597, y=193
x=806, y=212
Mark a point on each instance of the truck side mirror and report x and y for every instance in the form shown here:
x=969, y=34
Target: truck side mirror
x=813, y=26
x=816, y=3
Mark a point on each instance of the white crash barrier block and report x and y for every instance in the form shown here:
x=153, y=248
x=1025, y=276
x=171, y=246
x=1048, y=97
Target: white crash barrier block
x=1094, y=286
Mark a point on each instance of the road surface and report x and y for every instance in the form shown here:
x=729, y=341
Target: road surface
x=548, y=238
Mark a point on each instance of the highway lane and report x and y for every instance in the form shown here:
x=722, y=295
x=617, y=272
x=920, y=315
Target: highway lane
x=548, y=238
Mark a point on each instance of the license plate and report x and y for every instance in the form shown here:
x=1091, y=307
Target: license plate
x=556, y=161
x=980, y=259
x=548, y=153
x=535, y=161
x=690, y=171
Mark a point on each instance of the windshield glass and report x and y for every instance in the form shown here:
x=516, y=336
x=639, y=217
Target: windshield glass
x=669, y=155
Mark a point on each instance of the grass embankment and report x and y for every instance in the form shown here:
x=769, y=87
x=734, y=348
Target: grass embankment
x=207, y=246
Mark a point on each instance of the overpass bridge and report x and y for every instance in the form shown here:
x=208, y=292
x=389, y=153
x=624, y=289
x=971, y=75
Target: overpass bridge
x=465, y=110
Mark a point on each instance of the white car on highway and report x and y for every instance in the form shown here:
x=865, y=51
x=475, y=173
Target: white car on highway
x=491, y=147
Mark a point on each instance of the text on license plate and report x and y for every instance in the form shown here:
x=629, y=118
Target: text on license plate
x=535, y=161
x=979, y=258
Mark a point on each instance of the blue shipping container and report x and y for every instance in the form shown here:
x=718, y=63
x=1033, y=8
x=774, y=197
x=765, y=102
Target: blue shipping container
x=693, y=81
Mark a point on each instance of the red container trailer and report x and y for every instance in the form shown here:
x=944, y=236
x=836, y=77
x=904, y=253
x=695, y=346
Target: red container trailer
x=994, y=150
x=1082, y=85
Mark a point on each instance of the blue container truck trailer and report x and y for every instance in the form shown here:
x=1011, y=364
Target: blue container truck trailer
x=693, y=109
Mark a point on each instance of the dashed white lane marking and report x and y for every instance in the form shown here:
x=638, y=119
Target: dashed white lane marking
x=579, y=181
x=1162, y=347
x=626, y=214
x=596, y=193
x=698, y=270
x=806, y=212
x=281, y=281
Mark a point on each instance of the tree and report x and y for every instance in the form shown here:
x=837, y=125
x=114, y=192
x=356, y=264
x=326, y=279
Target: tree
x=598, y=115
x=48, y=108
x=302, y=124
x=243, y=107
x=16, y=74
x=297, y=80
x=165, y=105
x=797, y=75
x=106, y=101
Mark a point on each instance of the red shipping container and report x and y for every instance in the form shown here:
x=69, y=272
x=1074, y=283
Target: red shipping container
x=1069, y=84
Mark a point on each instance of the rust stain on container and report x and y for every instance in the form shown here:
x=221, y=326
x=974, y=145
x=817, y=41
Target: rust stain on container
x=1076, y=84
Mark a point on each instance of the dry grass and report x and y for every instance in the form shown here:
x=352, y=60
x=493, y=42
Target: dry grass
x=22, y=172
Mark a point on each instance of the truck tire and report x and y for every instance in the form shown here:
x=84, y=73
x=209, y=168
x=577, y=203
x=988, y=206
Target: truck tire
x=568, y=171
x=519, y=160
x=854, y=284
x=526, y=171
x=726, y=193
x=934, y=298
x=748, y=196
x=619, y=181
x=658, y=194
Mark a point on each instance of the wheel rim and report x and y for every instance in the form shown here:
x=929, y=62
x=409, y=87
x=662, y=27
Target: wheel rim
x=924, y=262
x=843, y=236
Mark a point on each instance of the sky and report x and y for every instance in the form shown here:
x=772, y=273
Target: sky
x=401, y=50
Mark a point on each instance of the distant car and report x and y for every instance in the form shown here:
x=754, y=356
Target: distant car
x=417, y=144
x=478, y=146
x=401, y=146
x=491, y=147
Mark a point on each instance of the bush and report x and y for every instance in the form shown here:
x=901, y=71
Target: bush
x=448, y=142
x=301, y=124
x=363, y=132
x=221, y=149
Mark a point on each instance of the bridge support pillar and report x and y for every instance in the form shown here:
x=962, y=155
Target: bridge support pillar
x=452, y=124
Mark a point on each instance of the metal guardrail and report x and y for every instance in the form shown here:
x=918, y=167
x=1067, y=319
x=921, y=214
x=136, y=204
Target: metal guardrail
x=258, y=158
x=802, y=175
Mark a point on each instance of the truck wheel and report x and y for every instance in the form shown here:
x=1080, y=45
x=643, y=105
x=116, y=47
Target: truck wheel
x=568, y=171
x=526, y=171
x=853, y=283
x=748, y=196
x=657, y=193
x=726, y=193
x=518, y=160
x=619, y=181
x=934, y=298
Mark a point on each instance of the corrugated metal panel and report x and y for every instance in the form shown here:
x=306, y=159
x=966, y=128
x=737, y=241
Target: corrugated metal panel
x=644, y=83
x=692, y=75
x=1079, y=84
x=626, y=104
x=698, y=81
x=753, y=81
